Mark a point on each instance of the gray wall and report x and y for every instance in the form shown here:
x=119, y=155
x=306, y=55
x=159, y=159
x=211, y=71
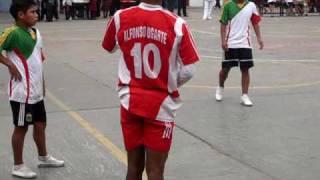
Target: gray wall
x=4, y=5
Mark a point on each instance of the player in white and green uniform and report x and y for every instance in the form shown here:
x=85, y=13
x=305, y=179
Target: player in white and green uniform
x=236, y=18
x=24, y=58
x=24, y=49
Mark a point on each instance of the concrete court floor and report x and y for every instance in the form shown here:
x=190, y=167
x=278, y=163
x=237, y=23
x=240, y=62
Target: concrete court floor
x=276, y=139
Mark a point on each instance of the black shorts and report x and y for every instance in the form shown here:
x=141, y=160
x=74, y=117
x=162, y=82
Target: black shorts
x=26, y=114
x=234, y=57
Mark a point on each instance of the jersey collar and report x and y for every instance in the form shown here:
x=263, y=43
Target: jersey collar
x=150, y=7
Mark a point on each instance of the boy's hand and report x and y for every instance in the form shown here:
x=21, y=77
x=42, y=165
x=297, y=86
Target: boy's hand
x=224, y=45
x=261, y=44
x=15, y=74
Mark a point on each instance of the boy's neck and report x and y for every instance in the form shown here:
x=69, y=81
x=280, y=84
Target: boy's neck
x=22, y=25
x=153, y=2
x=240, y=1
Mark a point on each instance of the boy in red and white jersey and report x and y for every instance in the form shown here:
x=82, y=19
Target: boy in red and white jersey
x=157, y=57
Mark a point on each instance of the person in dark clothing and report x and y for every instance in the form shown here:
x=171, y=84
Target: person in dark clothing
x=47, y=10
x=171, y=5
x=55, y=9
x=98, y=8
x=61, y=8
x=105, y=7
x=217, y=4
x=38, y=10
x=182, y=4
x=115, y=5
x=93, y=9
x=68, y=9
x=168, y=4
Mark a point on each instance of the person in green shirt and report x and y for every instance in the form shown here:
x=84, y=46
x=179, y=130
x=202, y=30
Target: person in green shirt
x=23, y=46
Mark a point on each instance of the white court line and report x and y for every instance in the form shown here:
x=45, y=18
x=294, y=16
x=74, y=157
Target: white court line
x=269, y=34
x=285, y=86
x=203, y=32
x=218, y=58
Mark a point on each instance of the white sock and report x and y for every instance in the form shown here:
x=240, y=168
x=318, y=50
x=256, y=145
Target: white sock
x=43, y=158
x=16, y=167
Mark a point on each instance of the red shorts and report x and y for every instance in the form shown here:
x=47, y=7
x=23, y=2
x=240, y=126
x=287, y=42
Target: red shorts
x=153, y=134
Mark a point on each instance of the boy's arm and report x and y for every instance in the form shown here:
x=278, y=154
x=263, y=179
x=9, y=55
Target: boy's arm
x=224, y=43
x=256, y=28
x=109, y=41
x=224, y=20
x=255, y=19
x=15, y=74
x=185, y=74
x=188, y=55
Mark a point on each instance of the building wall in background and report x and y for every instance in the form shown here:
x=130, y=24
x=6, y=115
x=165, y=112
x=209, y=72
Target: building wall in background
x=4, y=5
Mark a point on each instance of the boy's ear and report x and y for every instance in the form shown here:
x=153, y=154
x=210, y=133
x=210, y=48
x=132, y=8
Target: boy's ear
x=20, y=14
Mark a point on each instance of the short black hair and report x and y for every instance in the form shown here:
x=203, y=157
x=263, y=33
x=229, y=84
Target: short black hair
x=20, y=5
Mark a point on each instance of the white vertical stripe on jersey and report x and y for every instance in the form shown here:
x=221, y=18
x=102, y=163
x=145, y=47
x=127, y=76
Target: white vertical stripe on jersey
x=19, y=89
x=173, y=64
x=117, y=22
x=21, y=114
x=193, y=43
x=125, y=78
x=124, y=73
x=168, y=109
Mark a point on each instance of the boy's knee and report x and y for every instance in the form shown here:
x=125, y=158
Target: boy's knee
x=244, y=70
x=135, y=171
x=41, y=125
x=155, y=173
x=225, y=71
x=19, y=129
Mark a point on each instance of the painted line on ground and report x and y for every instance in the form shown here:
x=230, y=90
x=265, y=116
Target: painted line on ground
x=218, y=58
x=113, y=149
x=272, y=34
x=286, y=86
x=106, y=142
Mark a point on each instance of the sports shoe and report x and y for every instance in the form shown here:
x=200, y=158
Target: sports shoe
x=245, y=100
x=49, y=161
x=219, y=93
x=209, y=17
x=23, y=171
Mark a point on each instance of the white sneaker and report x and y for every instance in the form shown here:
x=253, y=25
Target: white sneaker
x=23, y=171
x=204, y=18
x=209, y=17
x=49, y=161
x=245, y=100
x=219, y=93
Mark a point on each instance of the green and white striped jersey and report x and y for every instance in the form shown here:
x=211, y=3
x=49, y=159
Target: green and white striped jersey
x=24, y=48
x=238, y=20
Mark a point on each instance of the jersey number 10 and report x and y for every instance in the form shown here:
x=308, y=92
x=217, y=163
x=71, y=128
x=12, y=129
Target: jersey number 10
x=139, y=58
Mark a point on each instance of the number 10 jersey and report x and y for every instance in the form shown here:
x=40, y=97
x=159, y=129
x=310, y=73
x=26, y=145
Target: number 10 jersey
x=155, y=44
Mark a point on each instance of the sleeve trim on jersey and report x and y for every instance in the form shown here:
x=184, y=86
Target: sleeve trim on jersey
x=255, y=19
x=191, y=60
x=222, y=22
x=5, y=35
x=115, y=48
